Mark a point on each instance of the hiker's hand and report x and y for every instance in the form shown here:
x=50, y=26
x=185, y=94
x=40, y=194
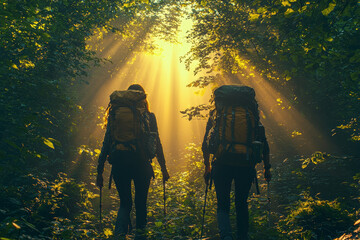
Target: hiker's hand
x=166, y=175
x=99, y=181
x=207, y=174
x=267, y=174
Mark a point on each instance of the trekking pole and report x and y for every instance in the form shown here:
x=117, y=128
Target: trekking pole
x=269, y=201
x=257, y=184
x=208, y=186
x=164, y=203
x=203, y=217
x=100, y=209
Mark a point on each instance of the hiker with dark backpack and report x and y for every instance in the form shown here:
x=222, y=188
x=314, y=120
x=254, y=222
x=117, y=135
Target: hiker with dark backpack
x=131, y=141
x=236, y=139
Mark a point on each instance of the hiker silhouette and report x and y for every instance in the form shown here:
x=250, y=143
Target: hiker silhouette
x=236, y=139
x=131, y=141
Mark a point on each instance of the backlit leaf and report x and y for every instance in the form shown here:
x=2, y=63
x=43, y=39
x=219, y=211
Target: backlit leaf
x=48, y=143
x=329, y=9
x=16, y=226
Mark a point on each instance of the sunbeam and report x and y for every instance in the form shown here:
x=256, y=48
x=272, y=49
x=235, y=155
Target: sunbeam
x=164, y=79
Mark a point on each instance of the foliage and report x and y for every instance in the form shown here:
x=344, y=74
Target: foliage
x=353, y=233
x=43, y=52
x=305, y=196
x=316, y=219
x=63, y=209
x=195, y=112
x=309, y=47
x=43, y=55
x=45, y=210
x=319, y=178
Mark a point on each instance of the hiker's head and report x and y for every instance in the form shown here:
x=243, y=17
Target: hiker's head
x=138, y=87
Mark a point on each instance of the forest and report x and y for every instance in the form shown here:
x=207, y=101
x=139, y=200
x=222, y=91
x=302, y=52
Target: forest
x=61, y=59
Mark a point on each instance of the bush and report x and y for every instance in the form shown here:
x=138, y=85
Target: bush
x=315, y=219
x=43, y=210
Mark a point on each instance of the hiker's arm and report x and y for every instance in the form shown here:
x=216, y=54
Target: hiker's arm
x=206, y=154
x=266, y=155
x=266, y=149
x=161, y=160
x=160, y=154
x=159, y=149
x=104, y=151
x=204, y=146
x=267, y=165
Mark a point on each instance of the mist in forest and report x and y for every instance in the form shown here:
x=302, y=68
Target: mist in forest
x=164, y=79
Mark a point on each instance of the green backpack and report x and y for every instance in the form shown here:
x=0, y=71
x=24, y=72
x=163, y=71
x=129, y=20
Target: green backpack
x=235, y=123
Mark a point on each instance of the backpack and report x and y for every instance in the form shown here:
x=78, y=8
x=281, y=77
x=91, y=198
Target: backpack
x=129, y=123
x=235, y=122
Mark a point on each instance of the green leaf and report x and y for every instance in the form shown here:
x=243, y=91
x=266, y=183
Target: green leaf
x=355, y=76
x=48, y=143
x=56, y=142
x=16, y=226
x=289, y=11
x=285, y=3
x=32, y=226
x=108, y=232
x=158, y=224
x=15, y=67
x=262, y=10
x=329, y=9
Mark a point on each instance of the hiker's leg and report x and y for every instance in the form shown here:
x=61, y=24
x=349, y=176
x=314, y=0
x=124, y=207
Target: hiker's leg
x=222, y=180
x=243, y=181
x=142, y=183
x=142, y=177
x=123, y=185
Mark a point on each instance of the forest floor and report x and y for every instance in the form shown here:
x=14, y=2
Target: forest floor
x=310, y=198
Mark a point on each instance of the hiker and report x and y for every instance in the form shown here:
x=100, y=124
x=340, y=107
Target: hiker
x=236, y=139
x=131, y=141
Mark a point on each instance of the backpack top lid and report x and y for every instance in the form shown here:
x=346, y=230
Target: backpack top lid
x=234, y=95
x=127, y=97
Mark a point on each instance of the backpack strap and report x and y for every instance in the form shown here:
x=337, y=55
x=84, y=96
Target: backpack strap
x=223, y=140
x=111, y=177
x=233, y=127
x=249, y=132
x=137, y=117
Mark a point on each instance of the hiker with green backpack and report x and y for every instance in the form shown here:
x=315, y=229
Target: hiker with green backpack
x=236, y=139
x=131, y=141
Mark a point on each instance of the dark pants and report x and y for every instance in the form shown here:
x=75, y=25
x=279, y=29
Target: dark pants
x=129, y=168
x=223, y=176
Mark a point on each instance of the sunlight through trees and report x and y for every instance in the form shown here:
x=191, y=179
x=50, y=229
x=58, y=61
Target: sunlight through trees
x=60, y=61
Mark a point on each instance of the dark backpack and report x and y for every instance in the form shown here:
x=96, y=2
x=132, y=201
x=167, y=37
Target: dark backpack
x=129, y=123
x=235, y=122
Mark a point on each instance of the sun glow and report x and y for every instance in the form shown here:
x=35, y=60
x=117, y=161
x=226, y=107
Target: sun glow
x=164, y=79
